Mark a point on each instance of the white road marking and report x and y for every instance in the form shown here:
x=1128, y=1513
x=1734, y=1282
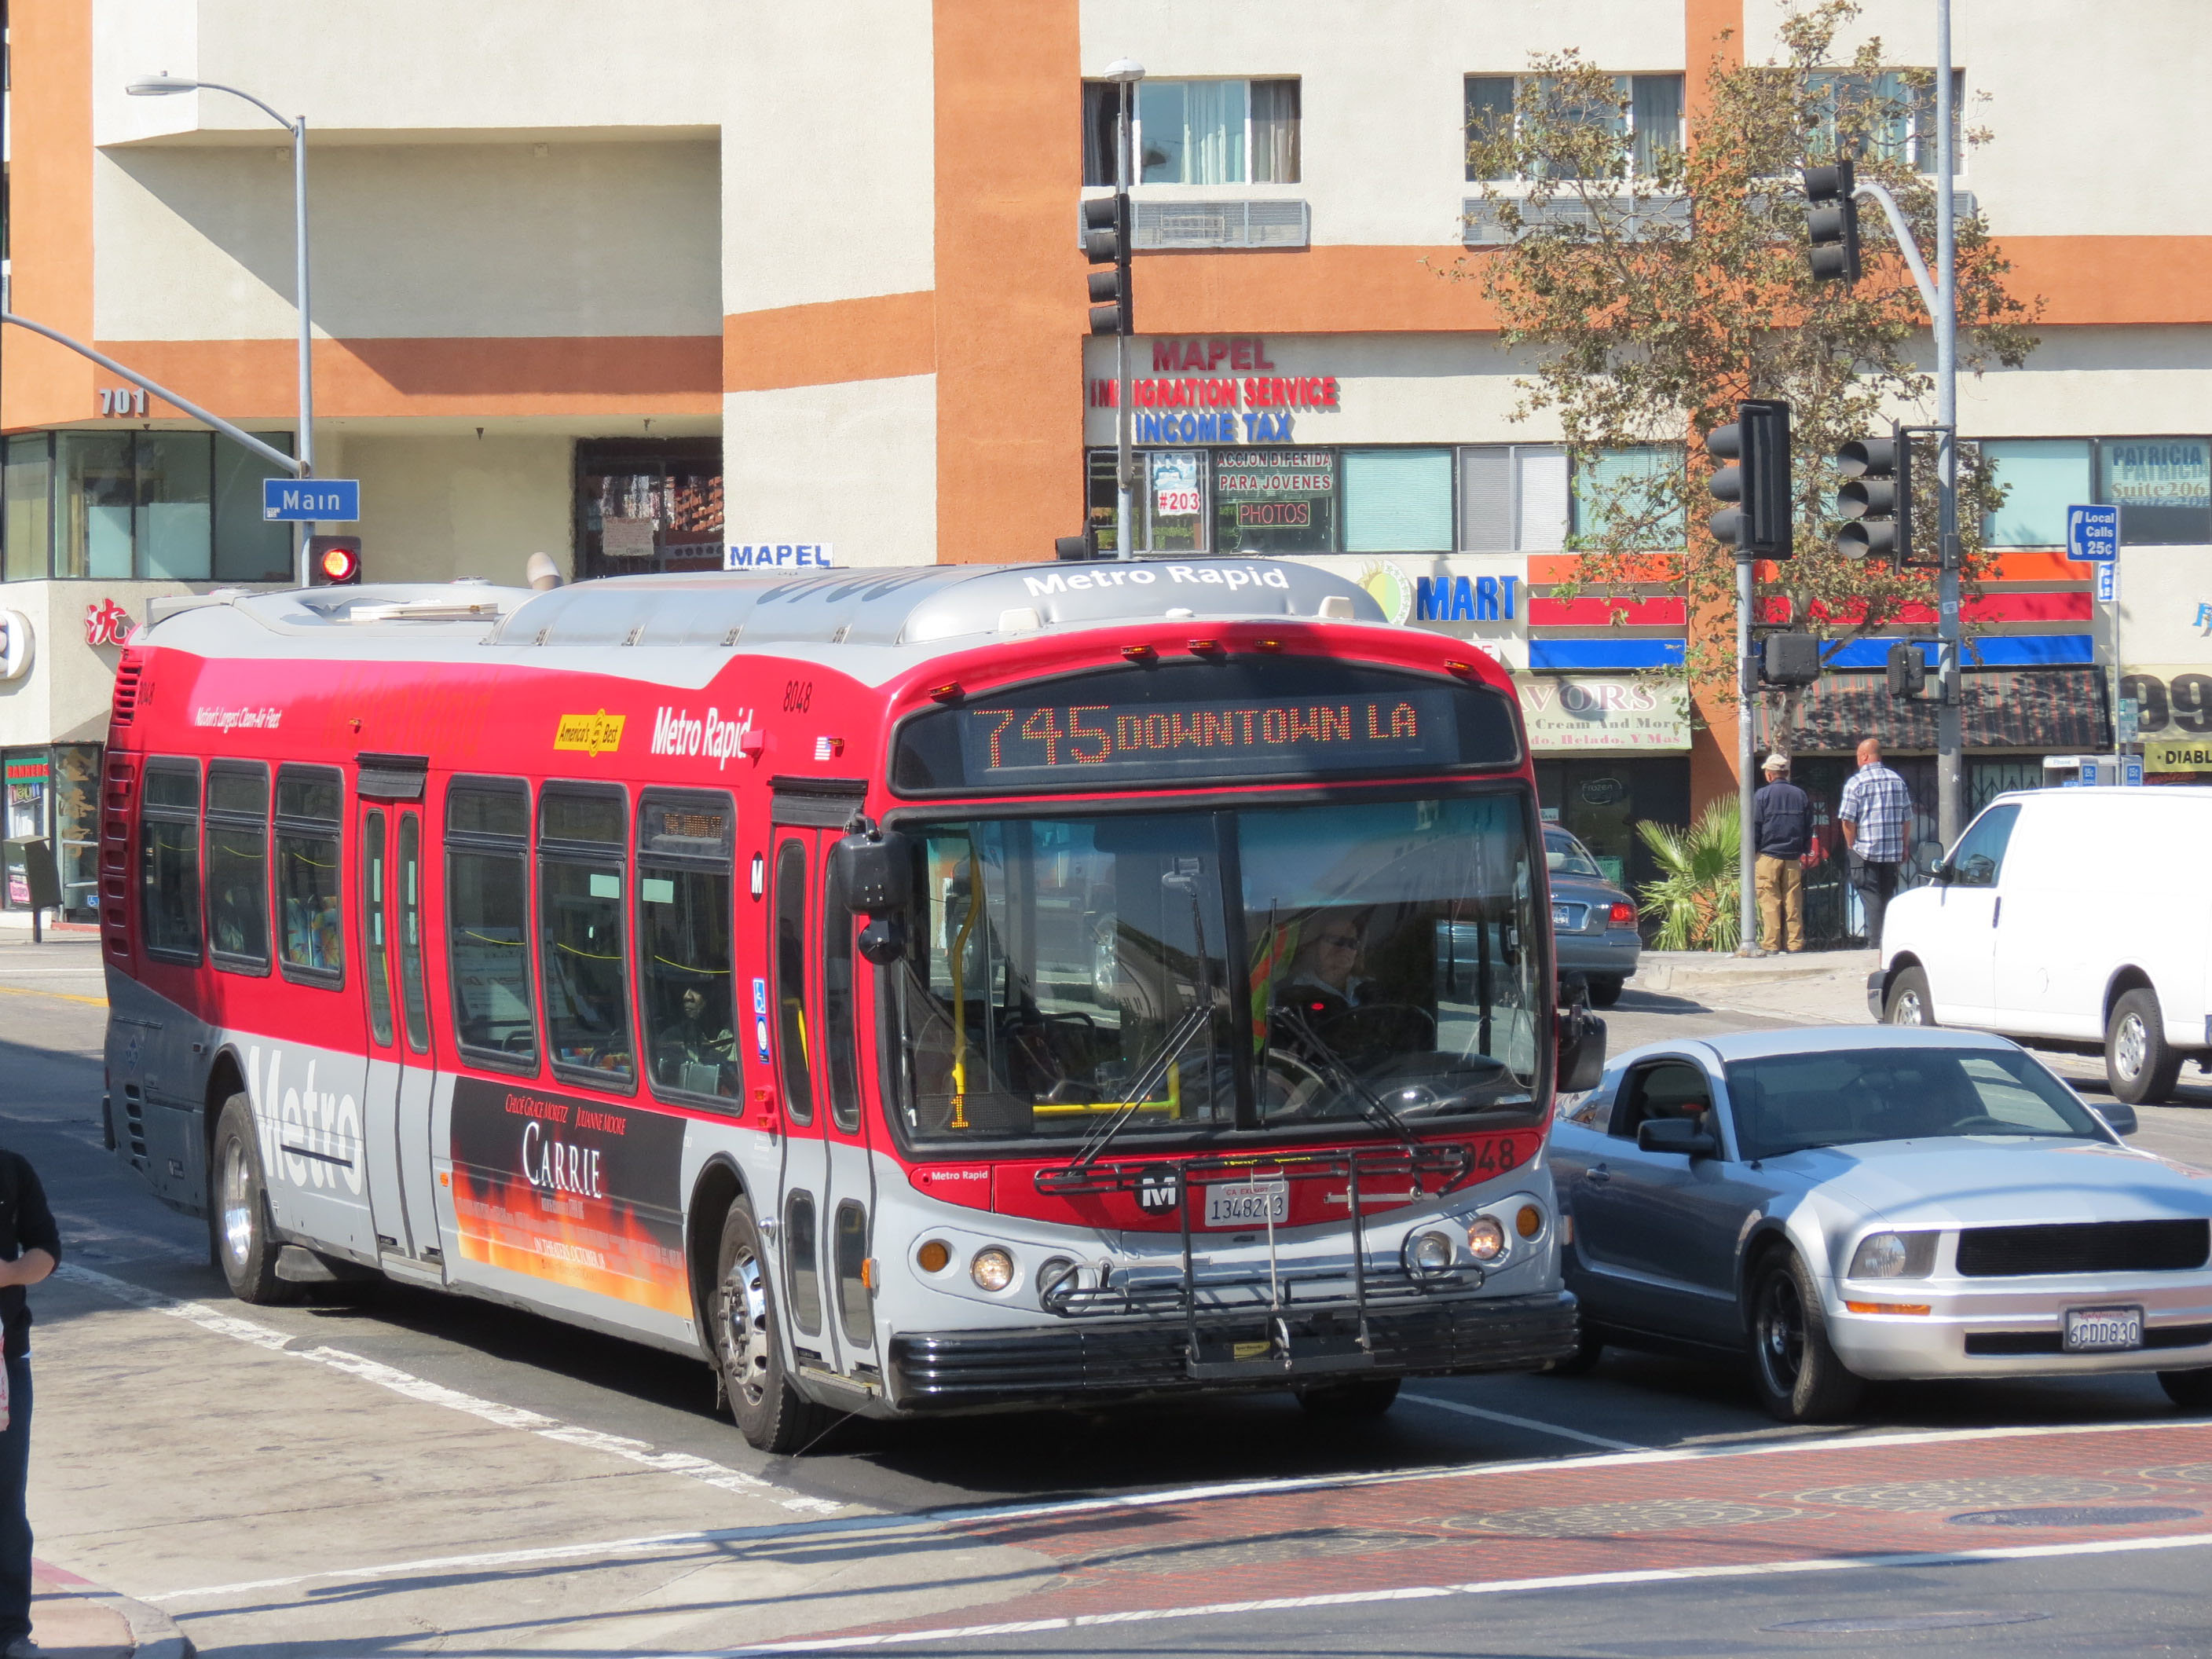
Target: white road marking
x=1497, y=1587
x=415, y=1388
x=926, y=1520
x=1435, y=1404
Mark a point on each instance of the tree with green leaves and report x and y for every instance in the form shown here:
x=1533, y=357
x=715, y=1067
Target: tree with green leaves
x=1653, y=285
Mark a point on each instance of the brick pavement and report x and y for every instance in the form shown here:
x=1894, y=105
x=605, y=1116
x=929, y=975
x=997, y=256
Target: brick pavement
x=1875, y=1496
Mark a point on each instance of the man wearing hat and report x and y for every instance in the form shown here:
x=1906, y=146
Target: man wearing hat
x=1782, y=821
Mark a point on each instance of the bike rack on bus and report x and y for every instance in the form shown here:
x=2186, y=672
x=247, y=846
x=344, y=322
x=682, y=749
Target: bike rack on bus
x=1436, y=1167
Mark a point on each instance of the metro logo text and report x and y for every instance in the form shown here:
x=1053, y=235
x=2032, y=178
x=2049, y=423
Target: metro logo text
x=677, y=731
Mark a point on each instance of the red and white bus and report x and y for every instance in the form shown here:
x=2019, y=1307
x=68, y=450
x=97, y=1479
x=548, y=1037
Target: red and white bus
x=912, y=990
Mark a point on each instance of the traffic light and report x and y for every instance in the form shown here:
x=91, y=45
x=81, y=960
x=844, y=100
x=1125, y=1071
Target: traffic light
x=1790, y=659
x=1834, y=222
x=1908, y=670
x=1106, y=242
x=1758, y=442
x=1877, y=501
x=334, y=561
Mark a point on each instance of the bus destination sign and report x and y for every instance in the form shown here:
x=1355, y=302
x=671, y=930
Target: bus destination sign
x=1074, y=744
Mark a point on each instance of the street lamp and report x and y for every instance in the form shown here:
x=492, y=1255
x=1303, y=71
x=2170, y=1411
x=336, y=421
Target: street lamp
x=1124, y=72
x=161, y=86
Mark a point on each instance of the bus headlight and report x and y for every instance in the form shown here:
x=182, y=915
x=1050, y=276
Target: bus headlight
x=991, y=1268
x=1429, y=1252
x=1486, y=1238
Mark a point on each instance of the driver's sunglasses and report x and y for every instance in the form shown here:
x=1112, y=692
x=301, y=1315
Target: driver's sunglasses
x=1342, y=941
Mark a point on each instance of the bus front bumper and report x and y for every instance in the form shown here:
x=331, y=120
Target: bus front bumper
x=1106, y=1360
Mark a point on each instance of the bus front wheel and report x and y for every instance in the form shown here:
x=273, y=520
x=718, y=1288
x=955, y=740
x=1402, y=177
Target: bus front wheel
x=238, y=1208
x=770, y=1412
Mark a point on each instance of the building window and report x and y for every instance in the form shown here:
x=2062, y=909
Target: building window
x=1197, y=132
x=2041, y=478
x=2163, y=487
x=1169, y=498
x=1513, y=498
x=1628, y=492
x=1274, y=501
x=1398, y=500
x=1891, y=114
x=116, y=505
x=1645, y=112
x=648, y=505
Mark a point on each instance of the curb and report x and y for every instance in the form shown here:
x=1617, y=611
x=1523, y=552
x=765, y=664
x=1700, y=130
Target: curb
x=154, y=1634
x=1729, y=971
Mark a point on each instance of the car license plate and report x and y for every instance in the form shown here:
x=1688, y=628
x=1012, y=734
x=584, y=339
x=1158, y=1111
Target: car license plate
x=1249, y=1203
x=1562, y=916
x=2103, y=1330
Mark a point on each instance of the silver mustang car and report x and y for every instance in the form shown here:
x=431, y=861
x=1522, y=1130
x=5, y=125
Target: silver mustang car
x=1850, y=1203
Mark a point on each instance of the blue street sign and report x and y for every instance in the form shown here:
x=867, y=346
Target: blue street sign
x=311, y=501
x=2093, y=533
x=2132, y=772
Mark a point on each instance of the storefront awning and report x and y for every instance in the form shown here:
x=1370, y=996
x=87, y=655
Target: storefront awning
x=2062, y=710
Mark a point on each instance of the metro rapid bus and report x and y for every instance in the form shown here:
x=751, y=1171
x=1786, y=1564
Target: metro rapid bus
x=910, y=991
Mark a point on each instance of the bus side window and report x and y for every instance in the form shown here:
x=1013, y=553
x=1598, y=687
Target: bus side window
x=488, y=920
x=805, y=1268
x=310, y=921
x=583, y=969
x=853, y=1306
x=686, y=855
x=414, y=1004
x=837, y=1026
x=169, y=861
x=238, y=865
x=793, y=1032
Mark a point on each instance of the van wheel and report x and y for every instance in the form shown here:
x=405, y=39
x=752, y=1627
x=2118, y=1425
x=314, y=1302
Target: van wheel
x=748, y=1344
x=1909, y=1002
x=1798, y=1376
x=239, y=1227
x=1604, y=990
x=1366, y=1396
x=2139, y=1065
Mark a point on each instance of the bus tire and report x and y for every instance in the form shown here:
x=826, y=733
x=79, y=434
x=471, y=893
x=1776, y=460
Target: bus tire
x=1366, y=1396
x=748, y=1348
x=239, y=1231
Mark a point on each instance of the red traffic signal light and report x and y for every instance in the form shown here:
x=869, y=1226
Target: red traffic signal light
x=333, y=561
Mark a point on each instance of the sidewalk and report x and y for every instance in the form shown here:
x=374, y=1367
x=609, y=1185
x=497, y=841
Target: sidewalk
x=73, y=1617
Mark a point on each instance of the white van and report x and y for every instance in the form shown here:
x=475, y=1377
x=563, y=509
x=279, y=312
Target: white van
x=2071, y=917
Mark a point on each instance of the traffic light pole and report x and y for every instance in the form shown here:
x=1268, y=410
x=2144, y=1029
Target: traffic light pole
x=1949, y=794
x=1125, y=528
x=1747, y=785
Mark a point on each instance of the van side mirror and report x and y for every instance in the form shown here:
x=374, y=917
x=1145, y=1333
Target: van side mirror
x=1941, y=872
x=1675, y=1134
x=874, y=868
x=1581, y=1050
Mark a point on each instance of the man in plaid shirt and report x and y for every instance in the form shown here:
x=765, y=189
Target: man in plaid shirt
x=1876, y=814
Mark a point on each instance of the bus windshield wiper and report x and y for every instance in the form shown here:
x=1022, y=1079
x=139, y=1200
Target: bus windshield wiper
x=1370, y=1103
x=1148, y=1077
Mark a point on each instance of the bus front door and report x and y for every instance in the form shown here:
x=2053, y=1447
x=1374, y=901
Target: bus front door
x=396, y=1116
x=828, y=1183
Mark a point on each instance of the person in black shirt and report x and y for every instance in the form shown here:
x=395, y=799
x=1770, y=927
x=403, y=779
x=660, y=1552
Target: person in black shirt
x=30, y=1249
x=1781, y=821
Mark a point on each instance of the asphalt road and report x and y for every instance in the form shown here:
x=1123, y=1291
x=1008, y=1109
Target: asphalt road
x=400, y=1472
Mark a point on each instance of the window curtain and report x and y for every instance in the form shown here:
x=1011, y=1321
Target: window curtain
x=1397, y=500
x=1489, y=114
x=1102, y=111
x=26, y=530
x=1543, y=501
x=175, y=518
x=1486, y=499
x=1657, y=110
x=2041, y=479
x=98, y=497
x=1275, y=133
x=1630, y=485
x=247, y=547
x=1193, y=132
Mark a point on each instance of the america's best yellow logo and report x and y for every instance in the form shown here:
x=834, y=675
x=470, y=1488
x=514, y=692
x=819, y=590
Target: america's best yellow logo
x=590, y=734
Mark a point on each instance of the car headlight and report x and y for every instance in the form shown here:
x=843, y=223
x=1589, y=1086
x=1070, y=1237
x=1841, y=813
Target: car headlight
x=1894, y=1255
x=1486, y=1238
x=1429, y=1252
x=993, y=1268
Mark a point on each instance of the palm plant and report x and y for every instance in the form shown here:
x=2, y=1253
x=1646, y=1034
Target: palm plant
x=1698, y=900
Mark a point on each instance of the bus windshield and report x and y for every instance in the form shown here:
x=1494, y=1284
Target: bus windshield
x=1191, y=972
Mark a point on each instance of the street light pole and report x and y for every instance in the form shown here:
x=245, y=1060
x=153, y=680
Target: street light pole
x=1949, y=794
x=161, y=86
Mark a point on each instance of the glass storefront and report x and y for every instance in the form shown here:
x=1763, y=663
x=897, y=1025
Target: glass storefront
x=646, y=505
x=121, y=506
x=53, y=793
x=1600, y=799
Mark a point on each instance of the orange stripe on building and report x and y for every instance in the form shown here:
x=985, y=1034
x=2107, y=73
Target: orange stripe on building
x=883, y=337
x=50, y=213
x=2110, y=280
x=677, y=375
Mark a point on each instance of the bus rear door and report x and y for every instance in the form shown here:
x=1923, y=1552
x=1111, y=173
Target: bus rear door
x=828, y=1191
x=402, y=1063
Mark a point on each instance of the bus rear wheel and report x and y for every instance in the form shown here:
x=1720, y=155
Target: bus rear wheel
x=770, y=1412
x=238, y=1208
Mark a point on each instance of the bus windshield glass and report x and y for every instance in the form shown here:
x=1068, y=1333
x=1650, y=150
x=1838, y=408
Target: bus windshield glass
x=1181, y=974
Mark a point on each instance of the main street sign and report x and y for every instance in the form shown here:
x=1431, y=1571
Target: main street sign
x=311, y=501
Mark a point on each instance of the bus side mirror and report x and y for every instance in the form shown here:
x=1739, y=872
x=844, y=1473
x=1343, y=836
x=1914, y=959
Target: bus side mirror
x=1581, y=1050
x=882, y=941
x=874, y=869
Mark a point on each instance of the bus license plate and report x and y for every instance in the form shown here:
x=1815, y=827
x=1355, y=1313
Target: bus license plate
x=1249, y=1203
x=2103, y=1330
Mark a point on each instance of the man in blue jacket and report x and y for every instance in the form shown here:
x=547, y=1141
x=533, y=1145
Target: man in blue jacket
x=1782, y=821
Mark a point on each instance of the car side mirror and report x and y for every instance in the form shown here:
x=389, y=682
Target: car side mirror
x=1581, y=1050
x=2120, y=1117
x=1675, y=1135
